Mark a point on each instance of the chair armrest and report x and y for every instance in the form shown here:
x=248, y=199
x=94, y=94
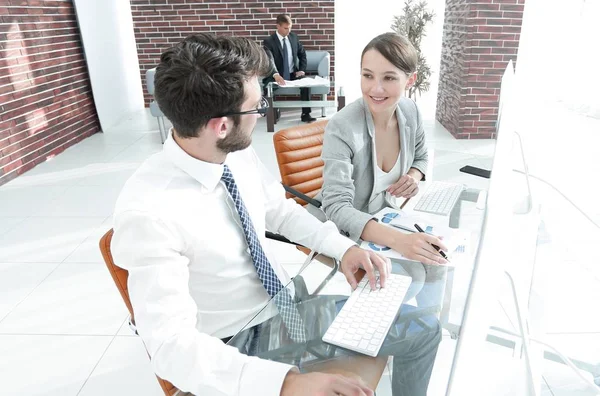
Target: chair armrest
x=306, y=198
x=280, y=238
x=317, y=62
x=323, y=68
x=328, y=261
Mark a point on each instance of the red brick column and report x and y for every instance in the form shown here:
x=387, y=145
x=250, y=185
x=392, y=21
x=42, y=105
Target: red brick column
x=46, y=102
x=158, y=24
x=480, y=37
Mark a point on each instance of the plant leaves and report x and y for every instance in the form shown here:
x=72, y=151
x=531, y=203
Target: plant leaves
x=412, y=25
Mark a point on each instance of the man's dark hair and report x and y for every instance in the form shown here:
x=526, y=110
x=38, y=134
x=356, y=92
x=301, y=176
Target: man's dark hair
x=283, y=18
x=203, y=77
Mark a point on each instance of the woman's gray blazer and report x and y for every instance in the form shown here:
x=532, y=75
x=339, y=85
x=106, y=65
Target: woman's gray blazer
x=348, y=153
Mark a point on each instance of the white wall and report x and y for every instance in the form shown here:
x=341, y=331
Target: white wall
x=557, y=92
x=558, y=53
x=355, y=28
x=107, y=32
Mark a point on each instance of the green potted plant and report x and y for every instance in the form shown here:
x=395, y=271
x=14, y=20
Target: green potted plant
x=412, y=24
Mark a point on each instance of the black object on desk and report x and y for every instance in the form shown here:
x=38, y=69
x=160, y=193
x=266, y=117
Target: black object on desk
x=472, y=170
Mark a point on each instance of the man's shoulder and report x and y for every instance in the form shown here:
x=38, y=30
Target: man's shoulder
x=294, y=36
x=144, y=190
x=270, y=39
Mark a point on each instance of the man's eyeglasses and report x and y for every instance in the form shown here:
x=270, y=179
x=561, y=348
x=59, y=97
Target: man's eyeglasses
x=262, y=110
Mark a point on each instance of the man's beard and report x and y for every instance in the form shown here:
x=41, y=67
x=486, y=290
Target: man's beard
x=235, y=141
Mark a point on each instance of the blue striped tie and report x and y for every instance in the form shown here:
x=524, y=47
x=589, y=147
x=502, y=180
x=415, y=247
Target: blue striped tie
x=275, y=289
x=286, y=61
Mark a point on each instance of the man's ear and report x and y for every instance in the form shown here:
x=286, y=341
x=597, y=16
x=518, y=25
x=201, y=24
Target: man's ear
x=219, y=127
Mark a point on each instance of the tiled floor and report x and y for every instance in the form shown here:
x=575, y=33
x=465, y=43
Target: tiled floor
x=63, y=325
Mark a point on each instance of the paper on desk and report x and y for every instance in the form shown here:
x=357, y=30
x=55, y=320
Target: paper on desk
x=393, y=201
x=313, y=81
x=457, y=241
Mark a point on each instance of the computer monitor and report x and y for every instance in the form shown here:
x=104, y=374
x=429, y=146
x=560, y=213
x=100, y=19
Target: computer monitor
x=490, y=268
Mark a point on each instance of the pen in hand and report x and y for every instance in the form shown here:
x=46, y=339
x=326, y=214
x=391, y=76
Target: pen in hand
x=436, y=247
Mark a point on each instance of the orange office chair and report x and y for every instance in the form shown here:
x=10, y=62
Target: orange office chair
x=120, y=276
x=298, y=150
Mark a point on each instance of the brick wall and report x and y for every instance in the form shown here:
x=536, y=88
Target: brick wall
x=158, y=24
x=46, y=103
x=480, y=37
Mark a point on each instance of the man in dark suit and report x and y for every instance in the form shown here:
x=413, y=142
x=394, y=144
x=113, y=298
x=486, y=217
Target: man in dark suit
x=289, y=58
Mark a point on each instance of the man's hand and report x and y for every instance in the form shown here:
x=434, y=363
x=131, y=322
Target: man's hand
x=323, y=384
x=279, y=79
x=299, y=74
x=356, y=258
x=406, y=187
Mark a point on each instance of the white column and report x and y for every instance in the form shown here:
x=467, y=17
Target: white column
x=110, y=51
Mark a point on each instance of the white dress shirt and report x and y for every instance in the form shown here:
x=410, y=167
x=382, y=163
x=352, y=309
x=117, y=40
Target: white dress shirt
x=191, y=278
x=289, y=50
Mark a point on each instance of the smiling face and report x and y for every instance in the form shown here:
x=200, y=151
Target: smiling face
x=382, y=84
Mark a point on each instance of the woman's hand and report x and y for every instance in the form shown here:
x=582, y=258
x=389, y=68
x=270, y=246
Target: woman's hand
x=418, y=247
x=407, y=187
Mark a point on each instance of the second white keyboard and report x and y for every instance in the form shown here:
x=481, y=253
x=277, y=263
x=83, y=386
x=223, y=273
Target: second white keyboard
x=439, y=198
x=365, y=319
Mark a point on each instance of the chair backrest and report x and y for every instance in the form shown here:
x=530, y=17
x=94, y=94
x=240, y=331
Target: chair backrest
x=150, y=80
x=120, y=277
x=298, y=150
x=154, y=109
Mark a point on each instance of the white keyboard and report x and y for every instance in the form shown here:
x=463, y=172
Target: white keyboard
x=439, y=198
x=366, y=318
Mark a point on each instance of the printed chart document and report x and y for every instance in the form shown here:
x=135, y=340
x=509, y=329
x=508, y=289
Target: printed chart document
x=457, y=241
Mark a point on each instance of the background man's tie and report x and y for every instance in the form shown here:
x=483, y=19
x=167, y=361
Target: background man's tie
x=286, y=61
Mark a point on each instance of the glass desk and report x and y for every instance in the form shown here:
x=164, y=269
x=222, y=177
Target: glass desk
x=323, y=91
x=320, y=291
x=414, y=338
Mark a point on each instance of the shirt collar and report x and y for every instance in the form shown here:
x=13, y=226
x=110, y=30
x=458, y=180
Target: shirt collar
x=208, y=174
x=280, y=37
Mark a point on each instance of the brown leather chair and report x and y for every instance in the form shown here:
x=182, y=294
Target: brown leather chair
x=120, y=276
x=298, y=151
